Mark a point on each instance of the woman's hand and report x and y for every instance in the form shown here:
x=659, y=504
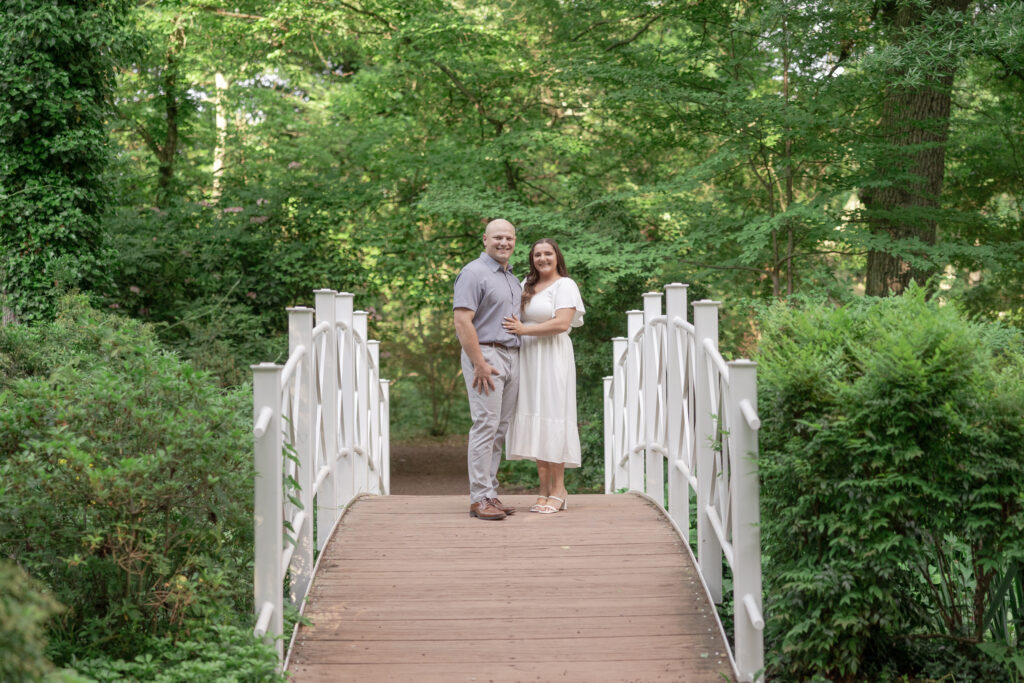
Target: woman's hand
x=513, y=325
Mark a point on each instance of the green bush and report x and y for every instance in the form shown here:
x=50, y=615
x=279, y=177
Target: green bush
x=219, y=654
x=125, y=483
x=24, y=610
x=892, y=489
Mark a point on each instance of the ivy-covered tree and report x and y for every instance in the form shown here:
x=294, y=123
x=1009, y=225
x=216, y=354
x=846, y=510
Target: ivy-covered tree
x=56, y=68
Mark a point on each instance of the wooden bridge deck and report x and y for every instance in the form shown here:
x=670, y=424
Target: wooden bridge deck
x=412, y=589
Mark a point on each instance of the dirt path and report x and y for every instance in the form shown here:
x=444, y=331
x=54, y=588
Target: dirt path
x=432, y=467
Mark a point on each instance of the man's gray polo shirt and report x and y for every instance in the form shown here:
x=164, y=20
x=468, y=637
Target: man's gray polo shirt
x=493, y=293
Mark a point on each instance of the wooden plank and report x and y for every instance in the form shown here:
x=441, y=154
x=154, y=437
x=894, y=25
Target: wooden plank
x=412, y=588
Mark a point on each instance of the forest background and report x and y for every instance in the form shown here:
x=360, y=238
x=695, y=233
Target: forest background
x=199, y=166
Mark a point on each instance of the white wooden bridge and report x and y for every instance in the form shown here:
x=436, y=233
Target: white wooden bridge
x=410, y=588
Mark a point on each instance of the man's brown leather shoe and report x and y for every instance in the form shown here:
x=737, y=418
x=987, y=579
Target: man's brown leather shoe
x=507, y=509
x=484, y=510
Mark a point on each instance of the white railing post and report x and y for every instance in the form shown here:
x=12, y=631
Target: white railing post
x=653, y=459
x=374, y=458
x=268, y=517
x=385, y=436
x=675, y=343
x=609, y=451
x=360, y=463
x=346, y=421
x=327, y=500
x=300, y=334
x=709, y=550
x=634, y=426
x=620, y=437
x=746, y=519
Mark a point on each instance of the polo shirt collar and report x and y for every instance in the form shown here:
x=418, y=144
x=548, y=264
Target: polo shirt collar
x=494, y=265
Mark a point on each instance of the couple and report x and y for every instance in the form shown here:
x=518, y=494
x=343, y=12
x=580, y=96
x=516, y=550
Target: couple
x=519, y=368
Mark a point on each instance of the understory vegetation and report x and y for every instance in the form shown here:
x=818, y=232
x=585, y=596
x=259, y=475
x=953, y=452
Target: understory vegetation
x=892, y=499
x=126, y=483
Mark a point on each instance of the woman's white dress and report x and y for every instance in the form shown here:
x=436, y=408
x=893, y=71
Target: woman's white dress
x=544, y=427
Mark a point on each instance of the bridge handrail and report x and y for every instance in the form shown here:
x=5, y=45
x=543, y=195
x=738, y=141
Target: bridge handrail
x=321, y=438
x=673, y=397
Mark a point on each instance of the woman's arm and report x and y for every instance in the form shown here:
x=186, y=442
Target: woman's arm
x=557, y=325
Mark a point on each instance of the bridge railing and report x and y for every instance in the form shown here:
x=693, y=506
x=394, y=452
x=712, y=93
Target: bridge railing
x=674, y=406
x=321, y=428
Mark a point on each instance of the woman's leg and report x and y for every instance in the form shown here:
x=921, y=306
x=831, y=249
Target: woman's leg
x=556, y=481
x=544, y=477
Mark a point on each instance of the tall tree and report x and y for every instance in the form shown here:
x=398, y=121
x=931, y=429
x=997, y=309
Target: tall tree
x=913, y=130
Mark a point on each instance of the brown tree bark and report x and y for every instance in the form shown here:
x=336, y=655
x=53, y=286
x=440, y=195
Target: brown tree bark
x=915, y=125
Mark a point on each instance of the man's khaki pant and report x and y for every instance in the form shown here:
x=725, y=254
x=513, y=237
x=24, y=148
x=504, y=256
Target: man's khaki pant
x=491, y=415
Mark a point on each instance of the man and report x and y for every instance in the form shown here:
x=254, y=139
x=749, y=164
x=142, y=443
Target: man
x=485, y=293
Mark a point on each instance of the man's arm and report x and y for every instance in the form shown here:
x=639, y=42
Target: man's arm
x=482, y=370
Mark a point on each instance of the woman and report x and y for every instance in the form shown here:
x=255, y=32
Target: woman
x=544, y=427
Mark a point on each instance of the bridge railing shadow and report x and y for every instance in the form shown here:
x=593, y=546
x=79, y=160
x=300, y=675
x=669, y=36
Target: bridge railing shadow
x=321, y=433
x=674, y=406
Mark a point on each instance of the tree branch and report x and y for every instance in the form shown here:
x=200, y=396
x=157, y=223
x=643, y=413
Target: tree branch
x=368, y=13
x=640, y=32
x=460, y=86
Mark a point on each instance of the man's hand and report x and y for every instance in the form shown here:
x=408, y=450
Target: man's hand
x=482, y=374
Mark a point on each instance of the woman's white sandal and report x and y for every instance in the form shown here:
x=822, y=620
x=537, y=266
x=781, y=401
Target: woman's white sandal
x=551, y=509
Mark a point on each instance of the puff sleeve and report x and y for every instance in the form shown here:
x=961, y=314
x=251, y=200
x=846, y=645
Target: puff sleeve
x=567, y=295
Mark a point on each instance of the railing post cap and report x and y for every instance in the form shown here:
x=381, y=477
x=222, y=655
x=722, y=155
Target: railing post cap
x=264, y=367
x=635, y=311
x=373, y=341
x=742, y=363
x=360, y=313
x=676, y=285
x=615, y=339
x=647, y=294
x=324, y=291
x=348, y=295
x=707, y=302
x=608, y=378
x=299, y=309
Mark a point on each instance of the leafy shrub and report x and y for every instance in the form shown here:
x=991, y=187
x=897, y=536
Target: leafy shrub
x=24, y=609
x=893, y=472
x=227, y=654
x=125, y=482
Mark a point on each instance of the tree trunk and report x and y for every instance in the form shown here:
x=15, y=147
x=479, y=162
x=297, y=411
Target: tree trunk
x=915, y=125
x=222, y=133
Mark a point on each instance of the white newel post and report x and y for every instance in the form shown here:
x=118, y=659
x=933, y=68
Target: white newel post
x=327, y=500
x=345, y=388
x=300, y=335
x=361, y=461
x=374, y=455
x=268, y=514
x=653, y=459
x=634, y=426
x=746, y=516
x=385, y=436
x=709, y=550
x=675, y=342
x=620, y=436
x=609, y=465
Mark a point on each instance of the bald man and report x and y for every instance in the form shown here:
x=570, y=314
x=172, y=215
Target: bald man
x=486, y=292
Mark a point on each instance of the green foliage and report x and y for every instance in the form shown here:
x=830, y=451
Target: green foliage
x=126, y=483
x=892, y=474
x=215, y=654
x=217, y=278
x=56, y=66
x=24, y=610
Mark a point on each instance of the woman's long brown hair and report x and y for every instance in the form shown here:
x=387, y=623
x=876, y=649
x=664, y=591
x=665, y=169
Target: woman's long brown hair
x=531, y=280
